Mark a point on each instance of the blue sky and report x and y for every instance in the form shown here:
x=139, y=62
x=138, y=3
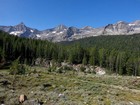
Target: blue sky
x=43, y=14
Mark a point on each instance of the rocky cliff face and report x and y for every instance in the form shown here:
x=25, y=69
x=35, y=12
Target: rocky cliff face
x=64, y=33
x=20, y=30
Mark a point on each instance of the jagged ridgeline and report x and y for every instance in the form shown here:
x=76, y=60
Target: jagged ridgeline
x=64, y=33
x=118, y=54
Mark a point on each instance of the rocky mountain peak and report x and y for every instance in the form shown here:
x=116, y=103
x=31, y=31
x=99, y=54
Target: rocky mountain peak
x=109, y=26
x=137, y=22
x=121, y=22
x=122, y=25
x=60, y=27
x=87, y=28
x=21, y=24
x=20, y=27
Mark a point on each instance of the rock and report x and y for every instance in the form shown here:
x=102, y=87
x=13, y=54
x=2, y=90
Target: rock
x=12, y=91
x=87, y=70
x=131, y=103
x=99, y=71
x=64, y=64
x=38, y=61
x=77, y=67
x=43, y=62
x=22, y=98
x=61, y=95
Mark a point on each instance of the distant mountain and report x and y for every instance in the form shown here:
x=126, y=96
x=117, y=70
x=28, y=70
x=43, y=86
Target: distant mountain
x=20, y=30
x=64, y=33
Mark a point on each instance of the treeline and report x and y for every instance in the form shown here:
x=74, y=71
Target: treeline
x=117, y=42
x=119, y=54
x=12, y=47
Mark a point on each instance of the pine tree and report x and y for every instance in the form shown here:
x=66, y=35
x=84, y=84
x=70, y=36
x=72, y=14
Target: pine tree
x=102, y=57
x=91, y=57
x=84, y=61
x=130, y=67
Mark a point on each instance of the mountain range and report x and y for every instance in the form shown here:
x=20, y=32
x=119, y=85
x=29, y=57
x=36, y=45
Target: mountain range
x=64, y=33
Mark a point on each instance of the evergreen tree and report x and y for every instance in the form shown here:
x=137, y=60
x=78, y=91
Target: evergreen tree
x=102, y=54
x=130, y=67
x=84, y=61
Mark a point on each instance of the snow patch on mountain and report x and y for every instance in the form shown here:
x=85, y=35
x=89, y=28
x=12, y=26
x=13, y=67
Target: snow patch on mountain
x=54, y=32
x=31, y=30
x=16, y=32
x=38, y=35
x=131, y=24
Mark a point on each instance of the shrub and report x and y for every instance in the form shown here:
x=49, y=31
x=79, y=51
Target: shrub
x=82, y=68
x=67, y=68
x=17, y=68
x=59, y=70
x=49, y=69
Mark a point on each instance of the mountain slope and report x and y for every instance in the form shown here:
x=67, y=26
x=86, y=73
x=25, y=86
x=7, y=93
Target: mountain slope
x=128, y=43
x=20, y=30
x=64, y=33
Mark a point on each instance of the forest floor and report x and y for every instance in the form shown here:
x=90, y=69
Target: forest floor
x=70, y=88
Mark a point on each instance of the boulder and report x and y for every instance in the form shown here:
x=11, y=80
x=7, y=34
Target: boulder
x=22, y=98
x=100, y=71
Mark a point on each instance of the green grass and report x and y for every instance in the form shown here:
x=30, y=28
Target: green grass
x=78, y=88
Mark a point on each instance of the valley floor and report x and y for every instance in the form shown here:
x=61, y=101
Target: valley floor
x=69, y=88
